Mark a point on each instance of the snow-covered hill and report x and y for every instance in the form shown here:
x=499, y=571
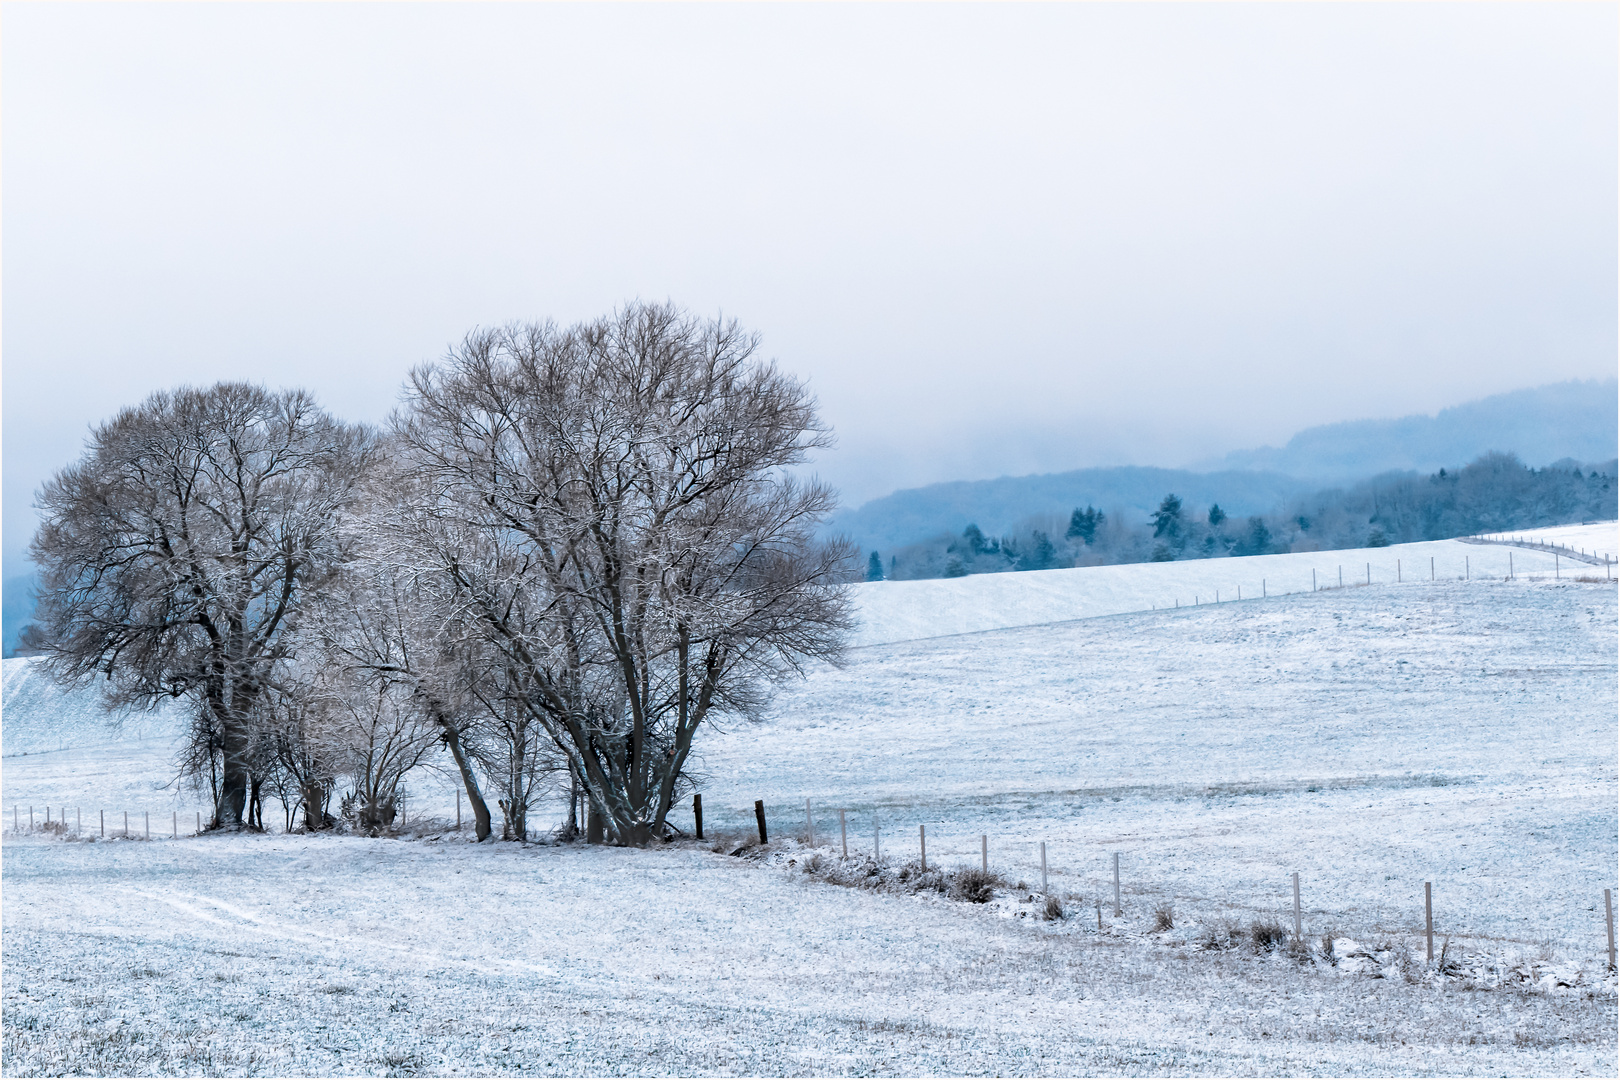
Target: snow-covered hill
x=892, y=611
x=38, y=716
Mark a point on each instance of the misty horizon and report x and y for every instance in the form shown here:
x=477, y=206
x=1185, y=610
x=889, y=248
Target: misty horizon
x=993, y=241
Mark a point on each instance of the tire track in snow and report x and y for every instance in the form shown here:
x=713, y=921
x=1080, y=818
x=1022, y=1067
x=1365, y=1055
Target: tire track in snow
x=247, y=922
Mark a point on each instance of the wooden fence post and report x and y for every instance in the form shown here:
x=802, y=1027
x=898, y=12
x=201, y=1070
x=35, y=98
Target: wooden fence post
x=759, y=816
x=1313, y=579
x=809, y=825
x=922, y=840
x=199, y=823
x=1431, y=567
x=175, y=833
x=1428, y=918
x=1116, y=883
x=875, y=847
x=1510, y=566
x=1608, y=924
x=1341, y=577
x=148, y=826
x=1369, y=573
x=697, y=813
x=1468, y=574
x=1397, y=571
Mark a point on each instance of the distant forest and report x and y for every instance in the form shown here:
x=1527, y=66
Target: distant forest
x=1495, y=492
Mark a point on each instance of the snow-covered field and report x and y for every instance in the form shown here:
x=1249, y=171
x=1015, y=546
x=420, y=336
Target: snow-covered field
x=1371, y=738
x=297, y=956
x=908, y=610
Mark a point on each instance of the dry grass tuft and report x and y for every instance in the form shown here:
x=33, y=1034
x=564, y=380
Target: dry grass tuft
x=974, y=885
x=1267, y=935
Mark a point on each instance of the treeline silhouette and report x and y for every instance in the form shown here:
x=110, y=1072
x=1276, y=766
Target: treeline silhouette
x=1495, y=492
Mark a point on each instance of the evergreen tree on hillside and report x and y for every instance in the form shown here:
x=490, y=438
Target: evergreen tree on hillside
x=955, y=568
x=1042, y=555
x=1083, y=525
x=974, y=539
x=874, y=567
x=1259, y=538
x=1167, y=521
x=1216, y=516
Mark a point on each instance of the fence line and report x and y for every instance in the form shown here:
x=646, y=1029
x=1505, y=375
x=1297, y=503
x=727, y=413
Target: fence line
x=1591, y=558
x=1609, y=563
x=57, y=824
x=1046, y=870
x=60, y=823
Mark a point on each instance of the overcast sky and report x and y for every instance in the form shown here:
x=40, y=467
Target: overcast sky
x=995, y=239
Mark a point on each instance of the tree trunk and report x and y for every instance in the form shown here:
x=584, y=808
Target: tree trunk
x=315, y=815
x=480, y=809
x=233, y=793
x=573, y=801
x=255, y=803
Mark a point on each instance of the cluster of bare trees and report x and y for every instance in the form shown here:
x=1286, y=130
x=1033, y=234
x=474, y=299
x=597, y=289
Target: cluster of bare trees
x=569, y=549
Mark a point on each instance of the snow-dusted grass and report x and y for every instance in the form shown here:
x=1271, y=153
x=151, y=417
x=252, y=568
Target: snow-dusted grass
x=289, y=955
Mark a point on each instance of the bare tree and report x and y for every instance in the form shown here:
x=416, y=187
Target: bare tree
x=307, y=763
x=176, y=554
x=386, y=619
x=609, y=509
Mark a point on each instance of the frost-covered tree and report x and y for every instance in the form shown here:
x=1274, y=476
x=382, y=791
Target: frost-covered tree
x=1167, y=521
x=178, y=553
x=646, y=563
x=874, y=567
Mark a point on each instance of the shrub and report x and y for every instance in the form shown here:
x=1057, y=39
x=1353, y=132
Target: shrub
x=974, y=885
x=1053, y=911
x=1221, y=934
x=1266, y=935
x=1164, y=918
